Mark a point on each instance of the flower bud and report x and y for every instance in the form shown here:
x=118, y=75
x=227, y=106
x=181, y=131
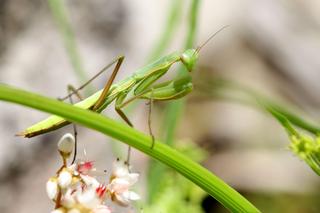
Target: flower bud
x=64, y=179
x=52, y=188
x=66, y=145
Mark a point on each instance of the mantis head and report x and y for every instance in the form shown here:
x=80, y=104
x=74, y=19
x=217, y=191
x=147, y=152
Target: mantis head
x=189, y=58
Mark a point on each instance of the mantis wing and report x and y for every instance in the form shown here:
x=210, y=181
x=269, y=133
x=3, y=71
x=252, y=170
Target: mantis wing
x=55, y=122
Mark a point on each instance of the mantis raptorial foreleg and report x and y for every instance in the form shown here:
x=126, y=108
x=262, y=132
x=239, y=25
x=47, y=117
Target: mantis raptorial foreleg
x=168, y=90
x=118, y=60
x=120, y=103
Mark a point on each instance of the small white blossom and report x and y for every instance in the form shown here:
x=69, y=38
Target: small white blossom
x=121, y=181
x=52, y=188
x=119, y=189
x=120, y=169
x=64, y=179
x=74, y=189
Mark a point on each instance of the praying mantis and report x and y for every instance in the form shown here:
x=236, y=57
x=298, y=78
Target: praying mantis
x=141, y=83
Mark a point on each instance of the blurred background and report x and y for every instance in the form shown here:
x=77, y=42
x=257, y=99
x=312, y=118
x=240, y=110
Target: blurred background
x=271, y=46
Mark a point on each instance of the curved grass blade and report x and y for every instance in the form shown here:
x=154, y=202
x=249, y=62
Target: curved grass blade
x=210, y=183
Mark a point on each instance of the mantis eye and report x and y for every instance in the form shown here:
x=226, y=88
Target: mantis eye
x=189, y=58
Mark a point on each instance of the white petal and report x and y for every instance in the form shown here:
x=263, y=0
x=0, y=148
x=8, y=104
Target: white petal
x=66, y=143
x=120, y=181
x=90, y=181
x=121, y=200
x=120, y=169
x=124, y=198
x=64, y=179
x=89, y=198
x=130, y=195
x=133, y=178
x=52, y=188
x=119, y=185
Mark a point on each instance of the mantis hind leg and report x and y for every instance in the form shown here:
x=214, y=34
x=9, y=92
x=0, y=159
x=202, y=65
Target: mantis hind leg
x=118, y=62
x=104, y=93
x=99, y=102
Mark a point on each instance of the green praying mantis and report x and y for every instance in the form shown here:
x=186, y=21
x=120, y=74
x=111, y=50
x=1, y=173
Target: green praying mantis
x=141, y=83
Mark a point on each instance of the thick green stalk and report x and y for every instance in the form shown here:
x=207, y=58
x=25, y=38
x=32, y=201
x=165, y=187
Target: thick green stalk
x=214, y=186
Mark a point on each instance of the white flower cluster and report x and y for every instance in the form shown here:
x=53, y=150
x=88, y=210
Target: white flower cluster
x=75, y=190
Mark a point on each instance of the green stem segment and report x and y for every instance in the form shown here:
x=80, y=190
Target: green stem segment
x=174, y=109
x=171, y=26
x=214, y=186
x=59, y=12
x=234, y=91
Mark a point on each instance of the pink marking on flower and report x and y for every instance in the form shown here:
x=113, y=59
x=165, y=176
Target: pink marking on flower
x=85, y=167
x=101, y=191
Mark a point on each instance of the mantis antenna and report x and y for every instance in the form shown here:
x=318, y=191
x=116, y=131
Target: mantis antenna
x=213, y=35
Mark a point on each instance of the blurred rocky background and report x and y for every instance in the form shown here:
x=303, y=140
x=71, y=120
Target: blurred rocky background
x=271, y=46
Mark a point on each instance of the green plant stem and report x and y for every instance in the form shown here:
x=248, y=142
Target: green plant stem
x=59, y=13
x=194, y=10
x=174, y=109
x=240, y=93
x=166, y=37
x=156, y=170
x=214, y=186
